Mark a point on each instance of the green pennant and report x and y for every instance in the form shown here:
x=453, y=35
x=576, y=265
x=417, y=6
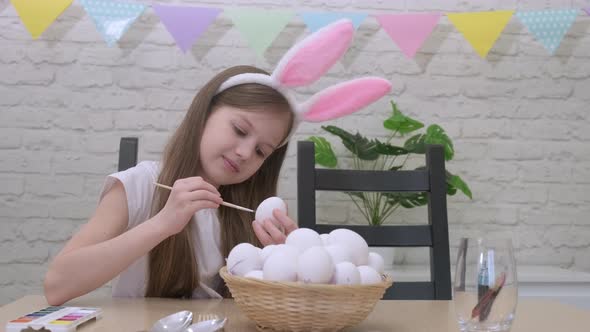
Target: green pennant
x=259, y=27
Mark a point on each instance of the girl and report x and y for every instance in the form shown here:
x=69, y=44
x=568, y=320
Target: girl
x=241, y=129
x=230, y=146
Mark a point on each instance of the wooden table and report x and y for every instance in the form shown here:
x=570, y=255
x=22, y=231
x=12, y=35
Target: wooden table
x=130, y=315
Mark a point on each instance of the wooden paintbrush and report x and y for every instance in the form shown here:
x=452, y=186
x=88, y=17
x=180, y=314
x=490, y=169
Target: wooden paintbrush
x=222, y=203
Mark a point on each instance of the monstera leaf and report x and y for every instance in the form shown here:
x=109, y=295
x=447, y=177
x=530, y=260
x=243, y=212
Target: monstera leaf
x=415, y=144
x=359, y=145
x=455, y=182
x=324, y=154
x=434, y=135
x=401, y=123
x=390, y=150
x=407, y=200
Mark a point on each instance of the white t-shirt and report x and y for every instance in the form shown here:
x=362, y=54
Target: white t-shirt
x=139, y=189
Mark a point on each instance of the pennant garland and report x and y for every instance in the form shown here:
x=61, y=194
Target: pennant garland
x=317, y=20
x=481, y=29
x=260, y=27
x=112, y=18
x=186, y=24
x=37, y=15
x=408, y=31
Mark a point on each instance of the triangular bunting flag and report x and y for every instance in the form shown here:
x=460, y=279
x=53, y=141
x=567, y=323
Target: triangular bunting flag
x=259, y=27
x=481, y=29
x=548, y=26
x=186, y=24
x=317, y=20
x=408, y=31
x=37, y=15
x=112, y=18
x=587, y=10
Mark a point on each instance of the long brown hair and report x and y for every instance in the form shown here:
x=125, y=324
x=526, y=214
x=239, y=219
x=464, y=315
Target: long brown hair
x=173, y=268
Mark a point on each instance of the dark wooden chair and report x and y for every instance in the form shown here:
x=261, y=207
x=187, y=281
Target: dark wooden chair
x=434, y=235
x=127, y=153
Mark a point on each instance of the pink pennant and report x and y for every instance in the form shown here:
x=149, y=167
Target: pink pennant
x=186, y=23
x=587, y=10
x=408, y=31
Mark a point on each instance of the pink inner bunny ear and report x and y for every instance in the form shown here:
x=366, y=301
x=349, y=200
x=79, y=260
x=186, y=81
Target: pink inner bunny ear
x=308, y=60
x=345, y=98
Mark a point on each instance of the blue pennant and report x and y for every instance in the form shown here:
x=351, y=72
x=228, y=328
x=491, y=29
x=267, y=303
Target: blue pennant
x=317, y=20
x=548, y=26
x=112, y=18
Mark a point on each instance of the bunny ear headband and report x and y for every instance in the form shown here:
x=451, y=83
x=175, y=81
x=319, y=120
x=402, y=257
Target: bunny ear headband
x=305, y=63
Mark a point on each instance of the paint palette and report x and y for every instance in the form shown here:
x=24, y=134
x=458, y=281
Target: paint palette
x=54, y=319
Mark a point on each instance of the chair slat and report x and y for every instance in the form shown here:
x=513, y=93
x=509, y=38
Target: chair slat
x=345, y=179
x=387, y=236
x=416, y=290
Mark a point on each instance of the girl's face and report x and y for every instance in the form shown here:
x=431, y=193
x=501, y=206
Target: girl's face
x=236, y=142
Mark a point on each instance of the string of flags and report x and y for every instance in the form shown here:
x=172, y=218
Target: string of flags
x=260, y=27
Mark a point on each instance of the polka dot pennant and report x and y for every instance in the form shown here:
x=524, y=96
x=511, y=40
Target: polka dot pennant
x=112, y=18
x=548, y=26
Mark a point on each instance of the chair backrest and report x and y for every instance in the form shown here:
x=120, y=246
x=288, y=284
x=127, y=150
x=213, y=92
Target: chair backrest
x=127, y=153
x=435, y=235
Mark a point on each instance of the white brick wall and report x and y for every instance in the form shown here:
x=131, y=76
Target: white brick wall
x=519, y=120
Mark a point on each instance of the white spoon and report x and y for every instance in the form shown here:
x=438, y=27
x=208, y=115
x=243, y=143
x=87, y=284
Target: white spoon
x=177, y=322
x=211, y=325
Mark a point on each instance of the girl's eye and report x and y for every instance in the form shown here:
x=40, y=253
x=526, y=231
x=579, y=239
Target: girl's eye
x=261, y=153
x=239, y=131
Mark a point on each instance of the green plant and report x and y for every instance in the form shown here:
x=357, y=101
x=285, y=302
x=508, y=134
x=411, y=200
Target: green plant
x=373, y=154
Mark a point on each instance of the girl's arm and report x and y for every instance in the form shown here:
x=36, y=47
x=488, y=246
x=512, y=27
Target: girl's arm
x=102, y=248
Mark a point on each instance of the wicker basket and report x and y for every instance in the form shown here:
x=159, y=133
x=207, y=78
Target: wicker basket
x=291, y=306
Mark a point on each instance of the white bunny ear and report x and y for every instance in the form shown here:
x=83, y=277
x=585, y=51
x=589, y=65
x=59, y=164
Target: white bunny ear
x=308, y=60
x=344, y=98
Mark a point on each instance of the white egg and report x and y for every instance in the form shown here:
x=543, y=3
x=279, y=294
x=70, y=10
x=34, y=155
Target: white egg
x=338, y=253
x=369, y=275
x=303, y=239
x=281, y=265
x=243, y=258
x=255, y=274
x=325, y=239
x=266, y=251
x=264, y=210
x=280, y=247
x=315, y=266
x=376, y=262
x=346, y=273
x=355, y=243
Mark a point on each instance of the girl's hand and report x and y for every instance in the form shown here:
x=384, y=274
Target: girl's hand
x=188, y=196
x=269, y=233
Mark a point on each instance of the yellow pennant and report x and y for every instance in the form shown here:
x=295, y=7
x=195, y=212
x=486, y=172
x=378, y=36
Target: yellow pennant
x=481, y=29
x=37, y=15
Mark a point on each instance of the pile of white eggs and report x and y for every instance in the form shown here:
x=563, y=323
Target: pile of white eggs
x=341, y=257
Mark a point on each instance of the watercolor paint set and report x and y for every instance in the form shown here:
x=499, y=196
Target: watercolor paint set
x=54, y=319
